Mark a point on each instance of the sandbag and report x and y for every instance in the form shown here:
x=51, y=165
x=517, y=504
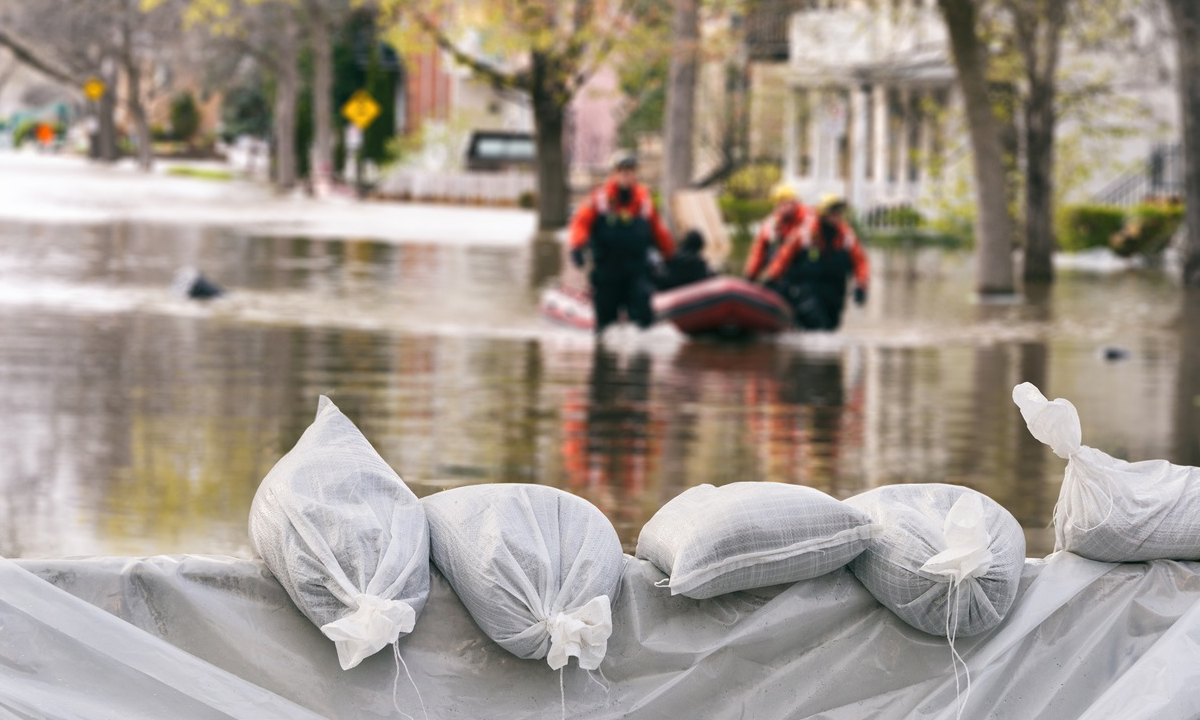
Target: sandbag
x=537, y=568
x=1110, y=509
x=344, y=536
x=947, y=559
x=714, y=540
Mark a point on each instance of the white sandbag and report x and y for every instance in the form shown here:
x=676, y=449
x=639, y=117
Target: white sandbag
x=714, y=540
x=947, y=560
x=1110, y=509
x=345, y=537
x=536, y=567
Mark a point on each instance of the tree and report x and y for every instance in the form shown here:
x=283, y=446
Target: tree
x=321, y=17
x=994, y=227
x=547, y=51
x=68, y=50
x=681, y=99
x=269, y=32
x=1038, y=27
x=1185, y=16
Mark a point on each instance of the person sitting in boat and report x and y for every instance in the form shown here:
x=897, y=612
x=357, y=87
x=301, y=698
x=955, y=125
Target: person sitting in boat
x=620, y=225
x=686, y=266
x=825, y=260
x=779, y=237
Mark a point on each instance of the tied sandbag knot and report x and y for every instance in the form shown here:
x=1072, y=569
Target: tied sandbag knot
x=1056, y=423
x=582, y=632
x=374, y=623
x=967, y=555
x=967, y=552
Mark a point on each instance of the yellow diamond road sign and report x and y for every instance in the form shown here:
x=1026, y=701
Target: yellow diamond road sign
x=361, y=109
x=93, y=88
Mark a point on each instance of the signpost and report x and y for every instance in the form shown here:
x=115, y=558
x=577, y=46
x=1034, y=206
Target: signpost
x=94, y=89
x=361, y=110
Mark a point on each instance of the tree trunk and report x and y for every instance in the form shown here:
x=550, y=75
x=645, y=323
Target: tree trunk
x=1039, y=185
x=145, y=150
x=106, y=127
x=133, y=74
x=1039, y=27
x=287, y=88
x=681, y=101
x=322, y=151
x=550, y=98
x=1186, y=17
x=993, y=228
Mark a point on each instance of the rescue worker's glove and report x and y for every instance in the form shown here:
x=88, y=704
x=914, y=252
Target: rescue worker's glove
x=655, y=261
x=860, y=296
x=577, y=257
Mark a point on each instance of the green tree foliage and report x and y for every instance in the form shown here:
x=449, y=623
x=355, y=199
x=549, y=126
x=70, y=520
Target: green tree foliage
x=541, y=49
x=185, y=117
x=246, y=110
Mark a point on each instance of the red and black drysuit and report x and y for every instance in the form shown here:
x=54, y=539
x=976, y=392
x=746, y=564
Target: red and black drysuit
x=825, y=259
x=620, y=226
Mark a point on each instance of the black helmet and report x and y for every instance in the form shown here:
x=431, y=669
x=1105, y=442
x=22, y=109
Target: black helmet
x=623, y=160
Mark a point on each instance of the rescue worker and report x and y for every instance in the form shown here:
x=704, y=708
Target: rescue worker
x=779, y=237
x=619, y=224
x=825, y=259
x=686, y=266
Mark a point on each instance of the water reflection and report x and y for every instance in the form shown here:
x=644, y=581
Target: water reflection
x=138, y=423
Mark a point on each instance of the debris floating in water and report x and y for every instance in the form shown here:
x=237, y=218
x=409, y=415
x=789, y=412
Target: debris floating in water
x=190, y=283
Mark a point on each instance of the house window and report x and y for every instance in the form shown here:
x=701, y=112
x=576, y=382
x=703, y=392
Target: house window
x=940, y=102
x=803, y=132
x=916, y=117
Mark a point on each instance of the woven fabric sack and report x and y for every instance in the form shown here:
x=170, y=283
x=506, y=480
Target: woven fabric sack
x=536, y=567
x=948, y=559
x=1109, y=509
x=715, y=540
x=344, y=536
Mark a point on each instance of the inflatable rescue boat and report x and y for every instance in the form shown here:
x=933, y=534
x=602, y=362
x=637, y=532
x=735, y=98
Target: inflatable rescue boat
x=723, y=305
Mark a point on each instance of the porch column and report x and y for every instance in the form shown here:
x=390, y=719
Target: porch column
x=858, y=145
x=881, y=128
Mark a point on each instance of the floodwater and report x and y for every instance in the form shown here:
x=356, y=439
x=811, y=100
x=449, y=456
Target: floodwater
x=136, y=422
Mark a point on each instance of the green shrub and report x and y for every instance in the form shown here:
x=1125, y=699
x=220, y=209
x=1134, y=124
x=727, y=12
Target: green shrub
x=1149, y=229
x=753, y=182
x=742, y=214
x=527, y=200
x=1088, y=226
x=185, y=116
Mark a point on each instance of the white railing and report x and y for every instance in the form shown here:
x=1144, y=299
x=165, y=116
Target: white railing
x=474, y=187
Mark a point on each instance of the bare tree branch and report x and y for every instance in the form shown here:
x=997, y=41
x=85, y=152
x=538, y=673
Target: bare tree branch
x=31, y=59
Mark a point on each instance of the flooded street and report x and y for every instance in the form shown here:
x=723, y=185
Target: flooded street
x=140, y=423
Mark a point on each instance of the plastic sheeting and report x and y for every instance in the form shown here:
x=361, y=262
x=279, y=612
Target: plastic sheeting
x=211, y=637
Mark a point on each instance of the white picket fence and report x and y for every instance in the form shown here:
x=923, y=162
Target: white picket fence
x=503, y=188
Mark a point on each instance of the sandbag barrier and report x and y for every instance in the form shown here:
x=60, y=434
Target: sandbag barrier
x=539, y=570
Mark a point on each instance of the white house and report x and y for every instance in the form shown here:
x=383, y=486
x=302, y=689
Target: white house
x=872, y=100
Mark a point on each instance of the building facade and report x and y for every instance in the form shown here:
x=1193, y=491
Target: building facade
x=872, y=111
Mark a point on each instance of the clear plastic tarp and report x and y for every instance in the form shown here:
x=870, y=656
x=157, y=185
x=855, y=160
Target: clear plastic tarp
x=210, y=637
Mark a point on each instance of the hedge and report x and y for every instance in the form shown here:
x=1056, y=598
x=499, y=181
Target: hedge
x=1088, y=226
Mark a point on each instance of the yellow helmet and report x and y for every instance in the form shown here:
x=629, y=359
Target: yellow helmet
x=784, y=191
x=829, y=201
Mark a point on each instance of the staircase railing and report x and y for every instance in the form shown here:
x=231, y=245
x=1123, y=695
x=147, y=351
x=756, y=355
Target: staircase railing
x=1161, y=175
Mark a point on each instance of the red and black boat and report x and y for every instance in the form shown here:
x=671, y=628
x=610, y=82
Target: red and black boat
x=723, y=305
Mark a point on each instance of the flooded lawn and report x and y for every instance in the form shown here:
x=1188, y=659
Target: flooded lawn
x=140, y=423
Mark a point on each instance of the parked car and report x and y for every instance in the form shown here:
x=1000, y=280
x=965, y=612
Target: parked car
x=499, y=150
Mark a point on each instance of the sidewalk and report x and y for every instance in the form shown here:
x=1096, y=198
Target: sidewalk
x=70, y=189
